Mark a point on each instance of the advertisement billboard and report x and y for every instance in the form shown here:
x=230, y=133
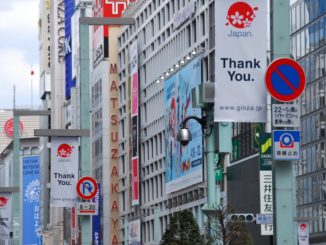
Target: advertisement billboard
x=240, y=93
x=5, y=216
x=31, y=199
x=70, y=81
x=183, y=164
x=64, y=171
x=133, y=62
x=134, y=232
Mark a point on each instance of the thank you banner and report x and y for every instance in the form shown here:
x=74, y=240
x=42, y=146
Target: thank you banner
x=240, y=60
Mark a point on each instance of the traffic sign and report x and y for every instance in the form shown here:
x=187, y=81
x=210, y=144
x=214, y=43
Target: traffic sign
x=286, y=115
x=87, y=208
x=264, y=219
x=86, y=188
x=285, y=79
x=286, y=144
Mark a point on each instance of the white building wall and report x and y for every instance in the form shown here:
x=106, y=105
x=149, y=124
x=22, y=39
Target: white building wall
x=160, y=47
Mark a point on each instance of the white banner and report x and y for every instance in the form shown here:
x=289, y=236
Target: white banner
x=240, y=60
x=303, y=233
x=64, y=171
x=134, y=232
x=5, y=215
x=266, y=199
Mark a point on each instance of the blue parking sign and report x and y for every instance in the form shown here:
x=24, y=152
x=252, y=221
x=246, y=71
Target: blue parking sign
x=286, y=145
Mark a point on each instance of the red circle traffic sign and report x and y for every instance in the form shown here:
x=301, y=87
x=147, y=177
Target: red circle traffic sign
x=86, y=188
x=285, y=79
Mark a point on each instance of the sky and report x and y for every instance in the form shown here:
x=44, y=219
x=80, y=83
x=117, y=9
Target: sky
x=19, y=53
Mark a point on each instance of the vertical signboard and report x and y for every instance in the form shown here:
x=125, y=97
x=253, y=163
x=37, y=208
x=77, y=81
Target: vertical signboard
x=114, y=137
x=5, y=216
x=240, y=94
x=133, y=56
x=69, y=11
x=266, y=180
x=134, y=232
x=31, y=199
x=64, y=171
x=96, y=219
x=303, y=233
x=183, y=164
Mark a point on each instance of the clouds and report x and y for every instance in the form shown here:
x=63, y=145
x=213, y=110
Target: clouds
x=18, y=51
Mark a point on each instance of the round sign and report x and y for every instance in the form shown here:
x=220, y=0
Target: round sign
x=285, y=79
x=9, y=127
x=86, y=188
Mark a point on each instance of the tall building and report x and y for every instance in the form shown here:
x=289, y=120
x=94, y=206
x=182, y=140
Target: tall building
x=308, y=43
x=167, y=37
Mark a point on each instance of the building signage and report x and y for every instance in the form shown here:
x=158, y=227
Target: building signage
x=114, y=211
x=31, y=199
x=183, y=164
x=9, y=128
x=61, y=30
x=286, y=115
x=240, y=95
x=133, y=59
x=5, y=215
x=64, y=171
x=266, y=199
x=286, y=145
x=285, y=79
x=134, y=232
x=183, y=15
x=96, y=219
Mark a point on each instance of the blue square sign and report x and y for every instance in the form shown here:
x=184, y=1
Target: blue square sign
x=286, y=145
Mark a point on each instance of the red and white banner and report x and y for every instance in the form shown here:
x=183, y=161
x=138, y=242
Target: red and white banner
x=64, y=171
x=5, y=215
x=240, y=60
x=303, y=233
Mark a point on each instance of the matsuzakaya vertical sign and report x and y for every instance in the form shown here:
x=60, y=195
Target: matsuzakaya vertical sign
x=240, y=60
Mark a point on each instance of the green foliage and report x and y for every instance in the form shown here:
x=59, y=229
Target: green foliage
x=183, y=230
x=231, y=233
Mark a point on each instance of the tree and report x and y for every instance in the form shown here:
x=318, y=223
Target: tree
x=183, y=230
x=231, y=233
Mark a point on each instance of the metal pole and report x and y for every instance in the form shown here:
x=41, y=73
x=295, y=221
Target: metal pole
x=283, y=171
x=85, y=221
x=17, y=214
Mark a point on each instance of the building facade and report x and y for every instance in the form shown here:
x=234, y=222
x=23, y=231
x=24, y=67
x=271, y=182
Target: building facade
x=308, y=42
x=168, y=35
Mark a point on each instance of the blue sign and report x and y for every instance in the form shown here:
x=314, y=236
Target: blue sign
x=70, y=81
x=286, y=144
x=96, y=219
x=31, y=199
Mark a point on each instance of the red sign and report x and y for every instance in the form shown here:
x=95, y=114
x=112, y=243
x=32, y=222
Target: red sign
x=9, y=128
x=86, y=188
x=135, y=182
x=285, y=79
x=3, y=202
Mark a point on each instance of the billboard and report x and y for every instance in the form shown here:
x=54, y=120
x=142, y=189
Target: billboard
x=96, y=219
x=64, y=171
x=5, y=215
x=133, y=62
x=183, y=164
x=134, y=232
x=240, y=93
x=70, y=81
x=31, y=199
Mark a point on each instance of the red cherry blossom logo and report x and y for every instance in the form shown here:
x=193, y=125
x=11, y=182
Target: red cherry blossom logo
x=64, y=150
x=241, y=15
x=9, y=128
x=3, y=201
x=303, y=226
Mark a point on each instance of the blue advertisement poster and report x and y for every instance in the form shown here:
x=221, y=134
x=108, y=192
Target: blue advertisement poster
x=183, y=164
x=96, y=219
x=31, y=199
